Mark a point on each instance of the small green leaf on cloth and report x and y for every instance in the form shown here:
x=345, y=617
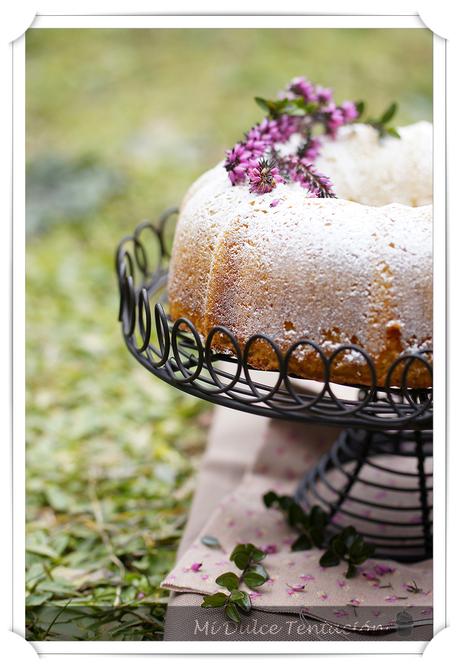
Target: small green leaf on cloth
x=228, y=580
x=214, y=600
x=232, y=613
x=254, y=579
x=245, y=602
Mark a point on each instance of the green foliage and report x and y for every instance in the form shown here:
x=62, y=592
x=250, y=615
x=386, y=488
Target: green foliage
x=381, y=123
x=310, y=525
x=214, y=600
x=228, y=580
x=255, y=576
x=246, y=557
x=245, y=553
x=349, y=546
x=295, y=107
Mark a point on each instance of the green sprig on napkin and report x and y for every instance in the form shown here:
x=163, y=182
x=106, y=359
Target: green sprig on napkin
x=247, y=558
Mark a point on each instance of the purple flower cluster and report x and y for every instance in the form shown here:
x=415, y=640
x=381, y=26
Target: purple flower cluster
x=336, y=116
x=258, y=141
x=310, y=149
x=301, y=107
x=237, y=163
x=263, y=176
x=333, y=116
x=302, y=171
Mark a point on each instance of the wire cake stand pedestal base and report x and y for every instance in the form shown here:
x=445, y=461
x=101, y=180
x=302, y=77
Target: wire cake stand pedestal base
x=381, y=483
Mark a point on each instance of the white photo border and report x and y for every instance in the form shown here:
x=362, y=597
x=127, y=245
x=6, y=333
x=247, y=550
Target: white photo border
x=439, y=247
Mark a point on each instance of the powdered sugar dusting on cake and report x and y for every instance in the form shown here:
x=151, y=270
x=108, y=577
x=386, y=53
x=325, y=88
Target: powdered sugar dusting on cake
x=330, y=270
x=374, y=171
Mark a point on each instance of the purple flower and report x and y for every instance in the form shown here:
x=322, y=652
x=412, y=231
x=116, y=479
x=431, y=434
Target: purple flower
x=263, y=176
x=271, y=131
x=258, y=158
x=295, y=588
x=310, y=149
x=286, y=126
x=195, y=567
x=324, y=95
x=349, y=111
x=334, y=119
x=303, y=172
x=237, y=163
x=304, y=88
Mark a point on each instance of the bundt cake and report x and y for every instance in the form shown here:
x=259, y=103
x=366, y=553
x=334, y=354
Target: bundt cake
x=351, y=269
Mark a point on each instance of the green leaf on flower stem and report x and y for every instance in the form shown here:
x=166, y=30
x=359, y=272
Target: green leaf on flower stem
x=232, y=613
x=214, y=600
x=360, y=106
x=392, y=132
x=273, y=107
x=301, y=543
x=388, y=113
x=245, y=602
x=228, y=580
x=210, y=541
x=263, y=104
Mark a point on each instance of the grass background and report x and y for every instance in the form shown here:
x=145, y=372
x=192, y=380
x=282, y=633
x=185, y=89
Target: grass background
x=119, y=122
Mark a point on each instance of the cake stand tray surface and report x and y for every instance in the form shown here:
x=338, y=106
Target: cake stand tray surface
x=177, y=354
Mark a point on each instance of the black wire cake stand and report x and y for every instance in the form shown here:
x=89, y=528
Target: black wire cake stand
x=377, y=475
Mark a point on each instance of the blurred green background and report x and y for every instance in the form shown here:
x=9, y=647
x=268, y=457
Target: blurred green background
x=119, y=122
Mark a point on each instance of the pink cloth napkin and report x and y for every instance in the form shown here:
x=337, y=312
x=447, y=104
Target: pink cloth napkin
x=296, y=578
